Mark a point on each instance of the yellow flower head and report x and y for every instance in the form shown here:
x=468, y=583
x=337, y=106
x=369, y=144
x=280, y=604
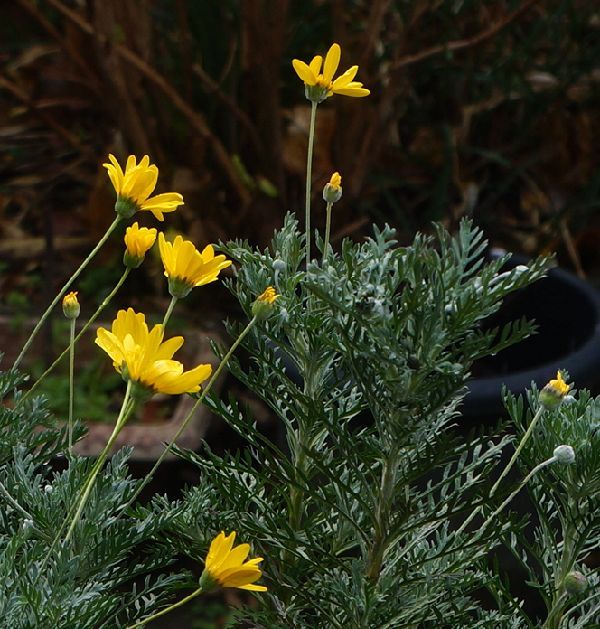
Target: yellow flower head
x=187, y=267
x=70, y=305
x=321, y=84
x=332, y=191
x=263, y=306
x=138, y=241
x=553, y=393
x=227, y=567
x=140, y=355
x=136, y=184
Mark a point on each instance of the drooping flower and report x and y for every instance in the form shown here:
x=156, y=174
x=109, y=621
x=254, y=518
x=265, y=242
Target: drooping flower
x=332, y=191
x=136, y=184
x=70, y=305
x=554, y=392
x=227, y=567
x=321, y=84
x=186, y=267
x=138, y=241
x=140, y=355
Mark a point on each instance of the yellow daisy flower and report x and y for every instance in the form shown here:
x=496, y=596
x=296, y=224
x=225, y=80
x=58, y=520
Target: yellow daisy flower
x=227, y=567
x=136, y=184
x=140, y=355
x=263, y=305
x=138, y=240
x=332, y=191
x=321, y=84
x=186, y=267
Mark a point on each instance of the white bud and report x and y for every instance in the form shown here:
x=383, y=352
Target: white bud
x=564, y=455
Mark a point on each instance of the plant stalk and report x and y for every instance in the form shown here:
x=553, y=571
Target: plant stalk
x=126, y=408
x=327, y=229
x=166, y=610
x=71, y=373
x=83, y=330
x=64, y=289
x=309, y=160
x=169, y=311
x=189, y=416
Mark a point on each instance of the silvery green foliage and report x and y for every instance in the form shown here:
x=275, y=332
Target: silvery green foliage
x=565, y=500
x=364, y=363
x=109, y=572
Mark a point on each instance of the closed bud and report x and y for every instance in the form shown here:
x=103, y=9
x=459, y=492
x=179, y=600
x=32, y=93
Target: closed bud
x=575, y=583
x=332, y=192
x=264, y=304
x=552, y=395
x=70, y=305
x=564, y=455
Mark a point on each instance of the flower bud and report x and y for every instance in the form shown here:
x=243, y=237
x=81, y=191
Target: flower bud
x=332, y=192
x=565, y=455
x=70, y=305
x=264, y=304
x=554, y=392
x=279, y=264
x=138, y=241
x=575, y=583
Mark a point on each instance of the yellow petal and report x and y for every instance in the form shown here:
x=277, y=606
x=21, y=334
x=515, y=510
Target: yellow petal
x=304, y=72
x=315, y=65
x=332, y=61
x=344, y=79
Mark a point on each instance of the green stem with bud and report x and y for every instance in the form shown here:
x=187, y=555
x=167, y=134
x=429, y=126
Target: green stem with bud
x=522, y=443
x=327, y=229
x=64, y=289
x=166, y=610
x=83, y=330
x=309, y=160
x=71, y=372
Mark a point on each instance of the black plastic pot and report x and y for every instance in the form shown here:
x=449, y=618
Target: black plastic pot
x=567, y=311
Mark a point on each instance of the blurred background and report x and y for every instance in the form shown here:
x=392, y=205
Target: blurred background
x=478, y=108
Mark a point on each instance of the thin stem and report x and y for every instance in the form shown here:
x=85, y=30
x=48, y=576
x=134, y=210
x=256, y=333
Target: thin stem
x=189, y=416
x=522, y=484
x=126, y=409
x=522, y=443
x=327, y=229
x=71, y=372
x=166, y=610
x=14, y=504
x=76, y=340
x=64, y=289
x=169, y=311
x=309, y=159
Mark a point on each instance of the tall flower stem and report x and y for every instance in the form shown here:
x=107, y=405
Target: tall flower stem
x=64, y=289
x=515, y=456
x=189, y=416
x=309, y=160
x=83, y=330
x=71, y=372
x=169, y=311
x=327, y=229
x=166, y=610
x=126, y=408
x=382, y=515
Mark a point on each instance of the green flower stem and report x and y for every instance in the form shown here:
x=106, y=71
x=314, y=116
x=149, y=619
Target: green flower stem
x=522, y=443
x=169, y=311
x=126, y=408
x=382, y=516
x=64, y=289
x=166, y=610
x=83, y=330
x=309, y=160
x=189, y=416
x=327, y=229
x=567, y=559
x=71, y=371
x=522, y=484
